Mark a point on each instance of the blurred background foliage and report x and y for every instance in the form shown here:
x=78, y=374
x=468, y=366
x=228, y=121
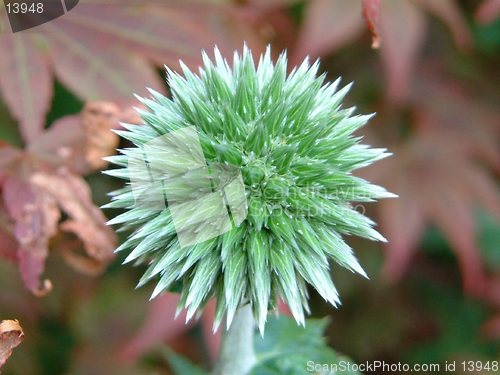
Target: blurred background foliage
x=434, y=293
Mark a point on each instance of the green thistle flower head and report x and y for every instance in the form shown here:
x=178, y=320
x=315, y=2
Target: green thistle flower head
x=240, y=183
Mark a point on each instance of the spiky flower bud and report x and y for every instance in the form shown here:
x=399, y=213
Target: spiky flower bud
x=240, y=183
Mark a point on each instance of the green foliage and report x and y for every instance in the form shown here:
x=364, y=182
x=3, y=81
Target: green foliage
x=287, y=348
x=8, y=131
x=181, y=365
x=56, y=343
x=488, y=37
x=293, y=143
x=63, y=103
x=489, y=237
x=457, y=338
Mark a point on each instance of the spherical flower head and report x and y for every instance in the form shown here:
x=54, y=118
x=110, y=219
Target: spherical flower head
x=240, y=183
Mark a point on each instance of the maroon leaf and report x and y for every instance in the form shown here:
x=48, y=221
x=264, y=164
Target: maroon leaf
x=167, y=35
x=402, y=221
x=402, y=28
x=470, y=126
x=442, y=173
x=25, y=81
x=35, y=217
x=328, y=25
x=160, y=325
x=492, y=327
x=173, y=30
x=371, y=15
x=488, y=11
x=436, y=184
x=96, y=71
x=449, y=12
x=453, y=214
x=11, y=335
x=103, y=318
x=8, y=246
x=493, y=292
x=105, y=49
x=62, y=144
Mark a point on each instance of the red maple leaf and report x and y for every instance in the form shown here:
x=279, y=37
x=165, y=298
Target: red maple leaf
x=442, y=173
x=398, y=26
x=107, y=50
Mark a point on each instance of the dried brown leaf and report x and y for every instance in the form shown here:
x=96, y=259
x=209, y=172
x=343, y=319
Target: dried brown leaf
x=11, y=335
x=70, y=250
x=98, y=118
x=130, y=116
x=79, y=142
x=86, y=221
x=44, y=179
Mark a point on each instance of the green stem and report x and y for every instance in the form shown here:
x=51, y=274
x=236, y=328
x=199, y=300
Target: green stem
x=237, y=355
